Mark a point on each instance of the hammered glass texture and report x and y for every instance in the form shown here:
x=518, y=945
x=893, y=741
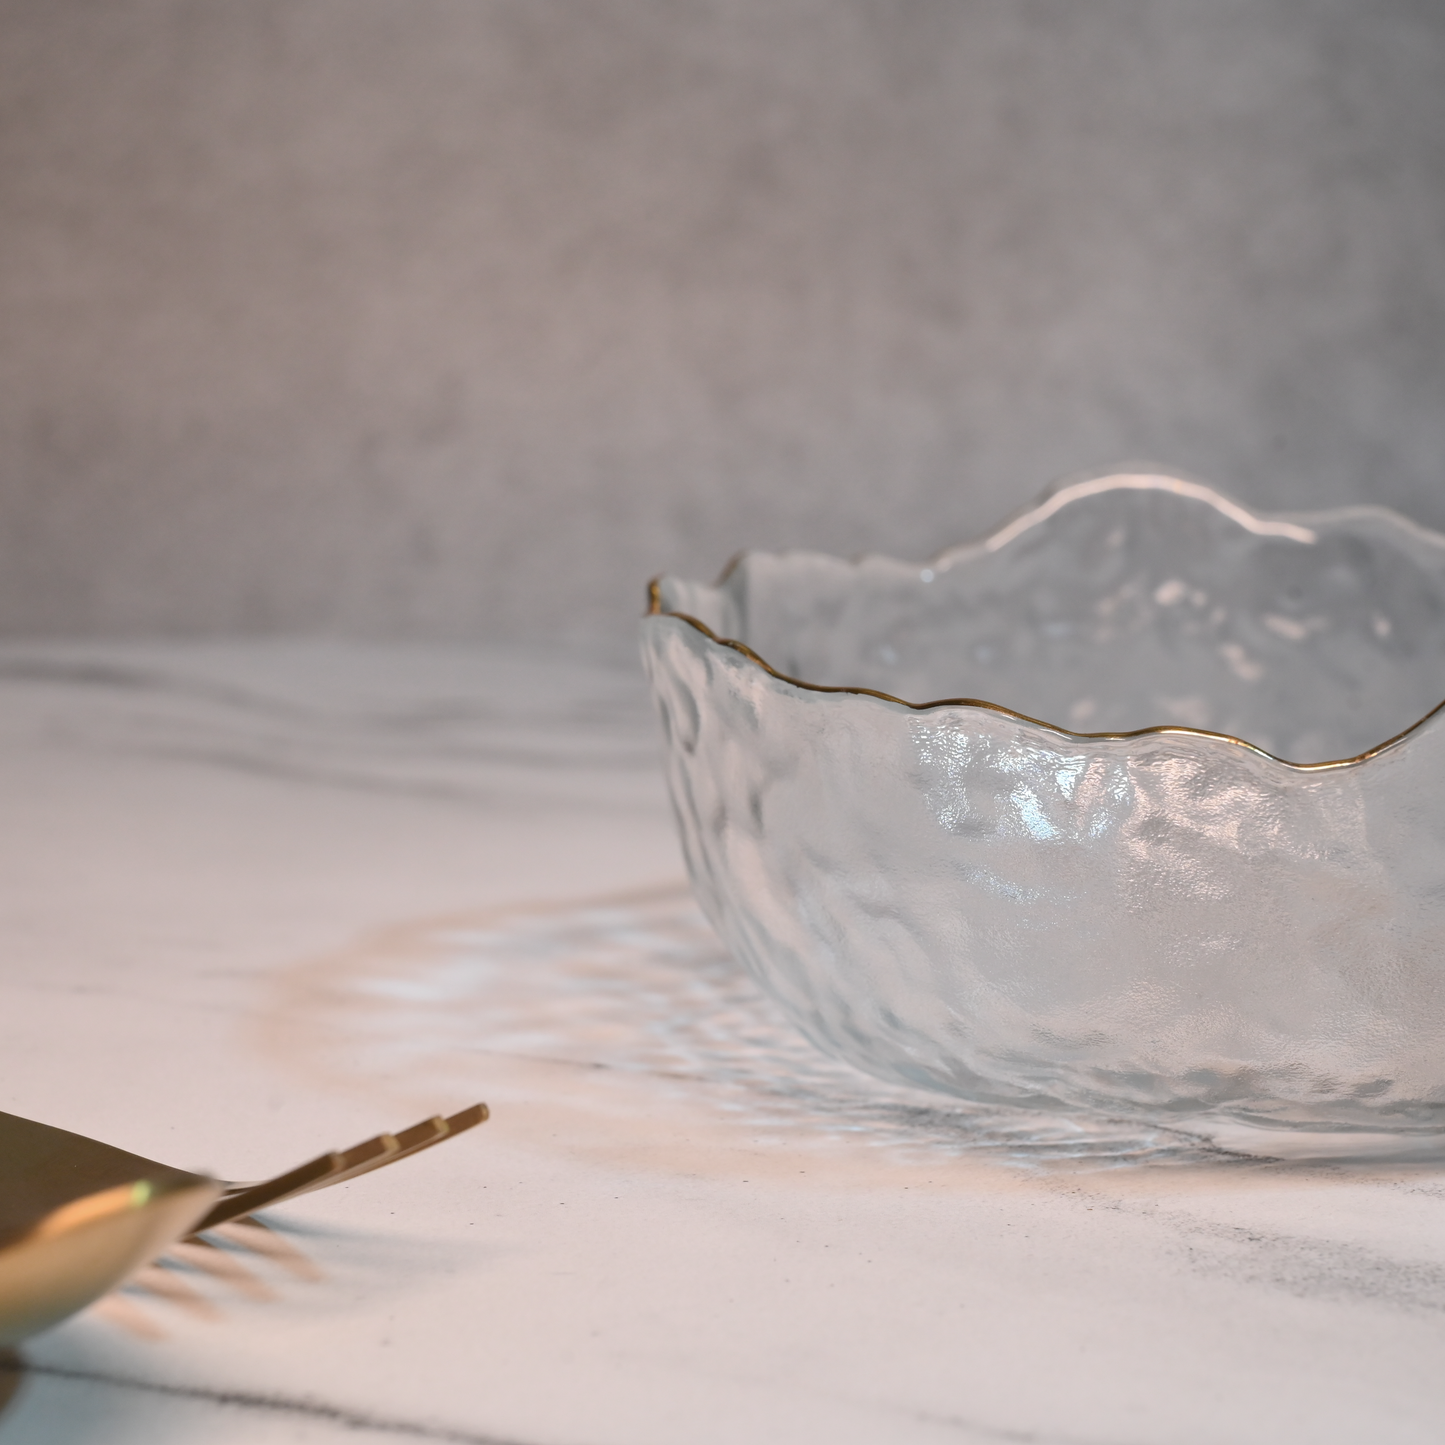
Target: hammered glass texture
x=1171, y=923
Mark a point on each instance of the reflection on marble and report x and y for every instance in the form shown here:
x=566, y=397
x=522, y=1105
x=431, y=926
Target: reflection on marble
x=640, y=985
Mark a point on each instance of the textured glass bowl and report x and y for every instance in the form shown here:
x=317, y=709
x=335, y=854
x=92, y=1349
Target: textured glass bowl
x=1187, y=859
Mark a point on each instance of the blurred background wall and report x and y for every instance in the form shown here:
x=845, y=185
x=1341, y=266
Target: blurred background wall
x=458, y=318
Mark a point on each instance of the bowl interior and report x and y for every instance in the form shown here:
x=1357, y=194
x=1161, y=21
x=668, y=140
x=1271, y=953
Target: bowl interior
x=1134, y=603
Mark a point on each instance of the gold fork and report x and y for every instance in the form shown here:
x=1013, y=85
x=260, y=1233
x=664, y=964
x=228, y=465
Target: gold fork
x=78, y=1216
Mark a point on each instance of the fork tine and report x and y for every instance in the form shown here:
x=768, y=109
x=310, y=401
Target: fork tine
x=257, y=1196
x=409, y=1141
x=356, y=1161
x=312, y=1174
x=240, y=1200
x=468, y=1118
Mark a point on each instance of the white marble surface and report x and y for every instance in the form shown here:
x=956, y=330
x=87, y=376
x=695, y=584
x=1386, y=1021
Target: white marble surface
x=264, y=899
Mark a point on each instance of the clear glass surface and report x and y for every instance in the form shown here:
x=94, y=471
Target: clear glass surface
x=1238, y=912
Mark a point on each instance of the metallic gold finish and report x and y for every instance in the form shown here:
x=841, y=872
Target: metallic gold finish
x=78, y=1216
x=239, y=1200
x=85, y=1248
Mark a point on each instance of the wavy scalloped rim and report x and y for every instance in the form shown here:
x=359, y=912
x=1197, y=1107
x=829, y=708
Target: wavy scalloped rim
x=1299, y=527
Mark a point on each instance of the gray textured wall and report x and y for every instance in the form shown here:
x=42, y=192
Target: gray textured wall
x=459, y=317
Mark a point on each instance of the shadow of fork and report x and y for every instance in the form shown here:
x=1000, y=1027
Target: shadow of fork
x=78, y=1216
